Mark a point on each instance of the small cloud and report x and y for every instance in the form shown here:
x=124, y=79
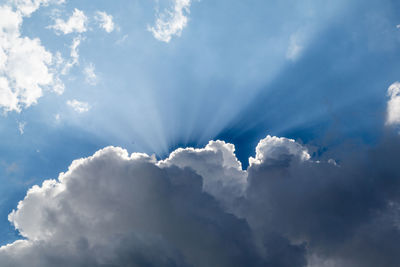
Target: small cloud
x=74, y=55
x=122, y=40
x=295, y=47
x=393, y=105
x=21, y=127
x=171, y=22
x=105, y=21
x=79, y=106
x=57, y=117
x=76, y=23
x=90, y=75
x=12, y=168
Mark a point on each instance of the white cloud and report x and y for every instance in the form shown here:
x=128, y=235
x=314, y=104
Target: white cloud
x=76, y=23
x=217, y=164
x=90, y=75
x=27, y=7
x=171, y=22
x=74, y=54
x=393, y=105
x=79, y=106
x=105, y=21
x=272, y=149
x=21, y=127
x=25, y=65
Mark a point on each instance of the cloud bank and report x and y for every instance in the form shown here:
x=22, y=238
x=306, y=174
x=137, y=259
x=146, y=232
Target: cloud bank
x=199, y=208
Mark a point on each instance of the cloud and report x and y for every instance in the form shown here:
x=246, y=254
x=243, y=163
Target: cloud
x=21, y=127
x=90, y=75
x=393, y=105
x=222, y=173
x=105, y=21
x=295, y=48
x=25, y=65
x=74, y=55
x=27, y=7
x=199, y=208
x=116, y=209
x=79, y=106
x=171, y=22
x=271, y=149
x=76, y=23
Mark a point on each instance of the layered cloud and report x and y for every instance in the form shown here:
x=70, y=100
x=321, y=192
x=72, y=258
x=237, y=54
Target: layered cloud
x=199, y=208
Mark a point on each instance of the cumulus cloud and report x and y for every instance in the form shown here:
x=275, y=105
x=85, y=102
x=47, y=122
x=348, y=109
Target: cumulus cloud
x=393, y=105
x=25, y=65
x=222, y=173
x=105, y=21
x=76, y=23
x=79, y=106
x=272, y=148
x=171, y=22
x=116, y=209
x=199, y=208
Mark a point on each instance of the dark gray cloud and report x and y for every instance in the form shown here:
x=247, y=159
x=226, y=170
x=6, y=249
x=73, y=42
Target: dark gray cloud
x=199, y=208
x=113, y=209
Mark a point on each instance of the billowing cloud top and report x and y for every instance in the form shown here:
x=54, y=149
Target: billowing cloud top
x=116, y=209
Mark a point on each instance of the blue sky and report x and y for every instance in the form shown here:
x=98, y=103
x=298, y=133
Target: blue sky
x=314, y=71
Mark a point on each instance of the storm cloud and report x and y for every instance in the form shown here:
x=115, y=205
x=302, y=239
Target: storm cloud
x=288, y=208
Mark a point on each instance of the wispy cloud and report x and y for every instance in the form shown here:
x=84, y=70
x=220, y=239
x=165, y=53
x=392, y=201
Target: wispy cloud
x=79, y=106
x=171, y=22
x=90, y=75
x=76, y=23
x=105, y=21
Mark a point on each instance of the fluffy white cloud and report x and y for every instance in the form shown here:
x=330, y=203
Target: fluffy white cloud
x=171, y=22
x=27, y=7
x=76, y=23
x=393, y=105
x=222, y=173
x=79, y=106
x=24, y=63
x=105, y=21
x=272, y=149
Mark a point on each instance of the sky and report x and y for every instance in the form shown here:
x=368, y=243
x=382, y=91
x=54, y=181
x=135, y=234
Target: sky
x=199, y=133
